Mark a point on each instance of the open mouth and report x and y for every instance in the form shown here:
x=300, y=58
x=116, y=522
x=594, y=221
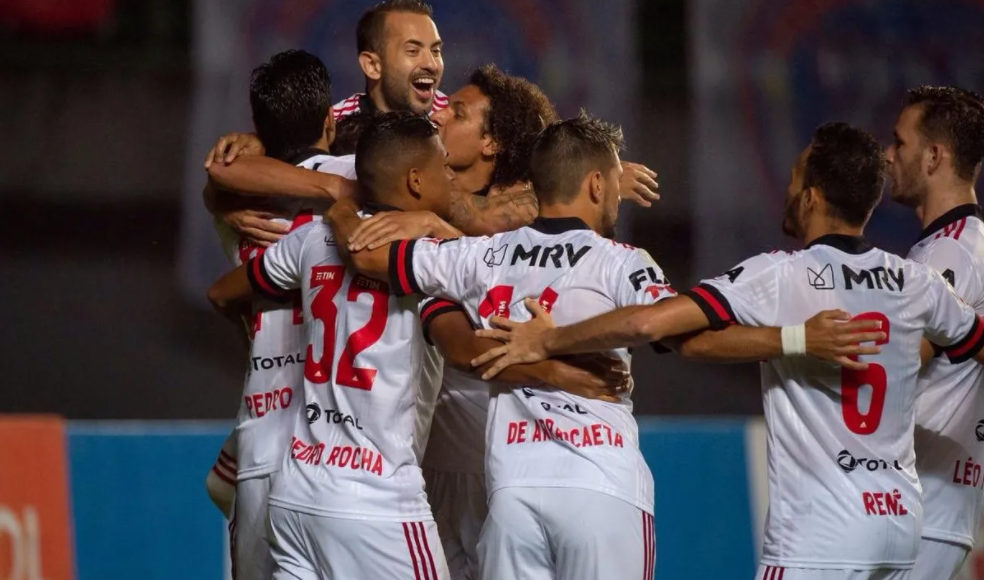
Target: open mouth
x=424, y=87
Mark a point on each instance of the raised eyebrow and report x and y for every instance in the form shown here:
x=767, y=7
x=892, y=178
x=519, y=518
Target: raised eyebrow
x=437, y=44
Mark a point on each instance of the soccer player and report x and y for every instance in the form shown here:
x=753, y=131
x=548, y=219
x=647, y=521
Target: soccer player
x=843, y=492
x=488, y=130
x=349, y=501
x=566, y=478
x=933, y=164
x=400, y=52
x=290, y=98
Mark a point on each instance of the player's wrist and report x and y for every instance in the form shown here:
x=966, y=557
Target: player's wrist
x=794, y=340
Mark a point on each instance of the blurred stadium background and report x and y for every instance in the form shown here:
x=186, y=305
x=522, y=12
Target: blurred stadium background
x=107, y=108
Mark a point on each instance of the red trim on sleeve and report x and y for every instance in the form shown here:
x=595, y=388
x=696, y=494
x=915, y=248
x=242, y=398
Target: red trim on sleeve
x=719, y=309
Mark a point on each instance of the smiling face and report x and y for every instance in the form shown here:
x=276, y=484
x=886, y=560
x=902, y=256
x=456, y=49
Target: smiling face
x=412, y=63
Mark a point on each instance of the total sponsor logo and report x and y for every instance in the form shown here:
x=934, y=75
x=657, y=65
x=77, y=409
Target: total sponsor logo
x=270, y=362
x=332, y=416
x=259, y=404
x=340, y=456
x=849, y=463
x=979, y=431
x=878, y=503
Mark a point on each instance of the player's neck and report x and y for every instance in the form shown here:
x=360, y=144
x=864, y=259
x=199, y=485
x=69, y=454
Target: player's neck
x=322, y=143
x=375, y=92
x=939, y=202
x=827, y=227
x=474, y=178
x=573, y=210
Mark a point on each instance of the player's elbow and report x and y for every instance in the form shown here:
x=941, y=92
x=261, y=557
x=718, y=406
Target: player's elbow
x=643, y=327
x=218, y=299
x=374, y=264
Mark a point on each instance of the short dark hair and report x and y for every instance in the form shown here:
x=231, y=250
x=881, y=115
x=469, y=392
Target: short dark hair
x=370, y=33
x=387, y=149
x=518, y=111
x=290, y=97
x=568, y=150
x=348, y=129
x=848, y=166
x=954, y=117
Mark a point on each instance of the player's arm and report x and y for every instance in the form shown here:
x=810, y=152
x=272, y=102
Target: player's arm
x=630, y=326
x=502, y=211
x=952, y=326
x=229, y=292
x=410, y=266
x=345, y=221
x=255, y=175
x=272, y=274
x=447, y=326
x=828, y=335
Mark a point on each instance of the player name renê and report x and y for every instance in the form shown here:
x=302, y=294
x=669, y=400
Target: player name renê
x=545, y=430
x=344, y=456
x=268, y=362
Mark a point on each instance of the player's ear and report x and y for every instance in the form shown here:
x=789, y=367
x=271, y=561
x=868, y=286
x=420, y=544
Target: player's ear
x=933, y=157
x=415, y=182
x=596, y=187
x=330, y=126
x=489, y=146
x=372, y=65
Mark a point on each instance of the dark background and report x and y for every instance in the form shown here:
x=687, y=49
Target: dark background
x=95, y=99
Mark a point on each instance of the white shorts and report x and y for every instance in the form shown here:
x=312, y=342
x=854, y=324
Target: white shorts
x=460, y=504
x=307, y=547
x=221, y=479
x=251, y=559
x=573, y=534
x=938, y=560
x=782, y=573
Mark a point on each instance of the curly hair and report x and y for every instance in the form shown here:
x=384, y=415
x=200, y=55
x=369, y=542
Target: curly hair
x=954, y=117
x=568, y=150
x=517, y=112
x=848, y=166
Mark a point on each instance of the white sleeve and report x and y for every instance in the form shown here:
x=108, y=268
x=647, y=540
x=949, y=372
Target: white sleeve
x=746, y=294
x=950, y=259
x=343, y=166
x=639, y=281
x=953, y=324
x=445, y=268
x=278, y=270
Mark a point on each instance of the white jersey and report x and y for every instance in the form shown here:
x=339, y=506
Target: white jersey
x=540, y=436
x=361, y=101
x=276, y=355
x=351, y=452
x=456, y=441
x=843, y=490
x=950, y=407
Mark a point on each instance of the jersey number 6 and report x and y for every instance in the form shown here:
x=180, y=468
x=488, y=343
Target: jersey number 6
x=874, y=376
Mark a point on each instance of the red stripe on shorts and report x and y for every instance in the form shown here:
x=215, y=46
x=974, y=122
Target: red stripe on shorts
x=413, y=555
x=430, y=555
